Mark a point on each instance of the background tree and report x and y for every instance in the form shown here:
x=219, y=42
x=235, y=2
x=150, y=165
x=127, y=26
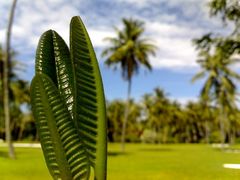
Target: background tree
x=115, y=112
x=158, y=114
x=18, y=97
x=219, y=86
x=217, y=53
x=129, y=50
x=158, y=119
x=6, y=83
x=115, y=117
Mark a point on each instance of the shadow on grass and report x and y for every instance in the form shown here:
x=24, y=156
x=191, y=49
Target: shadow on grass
x=116, y=153
x=3, y=154
x=156, y=149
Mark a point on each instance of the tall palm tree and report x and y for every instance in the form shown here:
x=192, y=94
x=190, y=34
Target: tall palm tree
x=129, y=50
x=6, y=83
x=219, y=87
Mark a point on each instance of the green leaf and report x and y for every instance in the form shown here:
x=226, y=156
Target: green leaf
x=88, y=97
x=79, y=83
x=53, y=59
x=45, y=62
x=63, y=150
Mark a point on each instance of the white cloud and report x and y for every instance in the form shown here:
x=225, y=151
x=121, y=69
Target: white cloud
x=171, y=30
x=32, y=23
x=2, y=35
x=188, y=5
x=139, y=3
x=35, y=17
x=187, y=2
x=175, y=45
x=184, y=100
x=97, y=36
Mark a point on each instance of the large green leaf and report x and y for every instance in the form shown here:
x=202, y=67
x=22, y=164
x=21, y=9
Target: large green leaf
x=78, y=79
x=89, y=102
x=62, y=147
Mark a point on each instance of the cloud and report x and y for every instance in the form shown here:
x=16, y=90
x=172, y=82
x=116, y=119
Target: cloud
x=2, y=35
x=97, y=37
x=32, y=18
x=175, y=45
x=184, y=100
x=140, y=3
x=171, y=30
x=188, y=7
x=168, y=29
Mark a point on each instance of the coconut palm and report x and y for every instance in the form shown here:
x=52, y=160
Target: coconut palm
x=219, y=87
x=129, y=50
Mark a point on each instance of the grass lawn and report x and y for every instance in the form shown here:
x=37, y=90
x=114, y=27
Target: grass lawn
x=140, y=162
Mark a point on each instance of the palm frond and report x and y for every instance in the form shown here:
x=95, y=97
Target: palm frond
x=198, y=76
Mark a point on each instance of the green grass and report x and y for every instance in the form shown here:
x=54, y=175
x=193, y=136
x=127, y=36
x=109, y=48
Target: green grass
x=141, y=162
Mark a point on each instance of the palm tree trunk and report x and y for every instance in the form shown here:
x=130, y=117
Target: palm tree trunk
x=20, y=134
x=232, y=132
x=207, y=131
x=126, y=116
x=6, y=84
x=221, y=123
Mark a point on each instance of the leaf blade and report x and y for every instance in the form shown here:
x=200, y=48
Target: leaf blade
x=63, y=141
x=89, y=97
x=47, y=132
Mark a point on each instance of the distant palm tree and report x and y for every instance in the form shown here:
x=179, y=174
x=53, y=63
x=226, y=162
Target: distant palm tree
x=6, y=83
x=219, y=86
x=129, y=50
x=115, y=111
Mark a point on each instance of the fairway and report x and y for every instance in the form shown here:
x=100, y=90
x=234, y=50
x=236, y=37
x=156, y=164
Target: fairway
x=140, y=162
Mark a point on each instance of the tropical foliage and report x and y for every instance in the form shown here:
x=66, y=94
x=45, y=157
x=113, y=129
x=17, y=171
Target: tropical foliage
x=69, y=106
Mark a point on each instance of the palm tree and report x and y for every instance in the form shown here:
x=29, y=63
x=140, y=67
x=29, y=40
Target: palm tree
x=115, y=111
x=6, y=83
x=158, y=113
x=129, y=50
x=219, y=87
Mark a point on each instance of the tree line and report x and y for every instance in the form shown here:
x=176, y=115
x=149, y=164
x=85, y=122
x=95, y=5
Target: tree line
x=155, y=118
x=158, y=119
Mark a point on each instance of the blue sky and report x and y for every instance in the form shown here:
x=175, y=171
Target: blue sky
x=172, y=24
